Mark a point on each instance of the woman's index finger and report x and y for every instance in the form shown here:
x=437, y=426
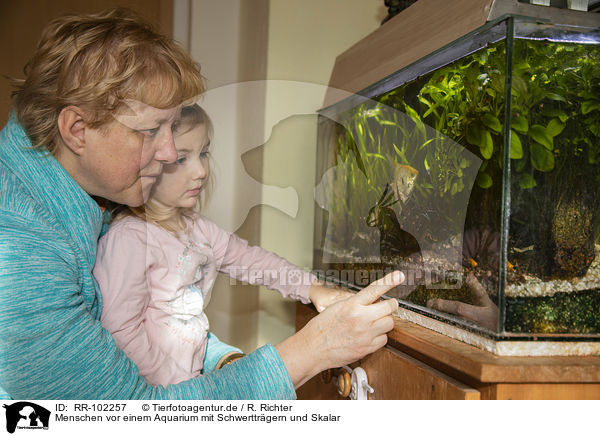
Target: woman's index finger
x=375, y=290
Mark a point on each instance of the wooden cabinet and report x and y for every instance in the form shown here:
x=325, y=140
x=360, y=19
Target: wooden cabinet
x=421, y=364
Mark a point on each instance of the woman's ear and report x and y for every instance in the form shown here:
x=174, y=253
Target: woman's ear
x=72, y=125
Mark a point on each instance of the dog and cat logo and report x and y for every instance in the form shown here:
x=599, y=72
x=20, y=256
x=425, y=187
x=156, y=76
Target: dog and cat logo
x=26, y=415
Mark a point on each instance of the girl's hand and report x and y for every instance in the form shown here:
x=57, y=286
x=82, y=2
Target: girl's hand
x=343, y=333
x=323, y=296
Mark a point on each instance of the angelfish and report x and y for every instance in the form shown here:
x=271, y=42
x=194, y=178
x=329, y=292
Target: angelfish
x=404, y=181
x=394, y=241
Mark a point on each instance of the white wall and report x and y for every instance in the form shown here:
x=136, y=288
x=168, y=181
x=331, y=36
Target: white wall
x=304, y=39
x=219, y=34
x=239, y=40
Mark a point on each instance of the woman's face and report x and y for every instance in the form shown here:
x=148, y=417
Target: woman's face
x=124, y=158
x=181, y=182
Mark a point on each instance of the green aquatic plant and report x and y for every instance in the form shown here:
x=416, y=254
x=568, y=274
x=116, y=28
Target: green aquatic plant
x=465, y=101
x=559, y=313
x=556, y=113
x=556, y=108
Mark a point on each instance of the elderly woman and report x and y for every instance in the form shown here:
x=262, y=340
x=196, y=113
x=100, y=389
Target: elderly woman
x=63, y=147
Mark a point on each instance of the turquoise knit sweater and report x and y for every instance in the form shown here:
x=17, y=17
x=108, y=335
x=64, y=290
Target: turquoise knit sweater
x=52, y=345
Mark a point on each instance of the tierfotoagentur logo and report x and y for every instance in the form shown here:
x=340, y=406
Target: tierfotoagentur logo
x=27, y=416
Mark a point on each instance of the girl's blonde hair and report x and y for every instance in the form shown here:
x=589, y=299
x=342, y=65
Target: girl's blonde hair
x=173, y=219
x=96, y=62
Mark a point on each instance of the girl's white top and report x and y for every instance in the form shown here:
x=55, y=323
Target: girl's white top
x=155, y=287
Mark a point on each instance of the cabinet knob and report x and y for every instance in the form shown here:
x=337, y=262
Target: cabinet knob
x=344, y=385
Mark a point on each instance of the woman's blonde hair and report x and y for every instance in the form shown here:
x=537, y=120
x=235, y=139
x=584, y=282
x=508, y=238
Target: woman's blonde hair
x=173, y=219
x=96, y=62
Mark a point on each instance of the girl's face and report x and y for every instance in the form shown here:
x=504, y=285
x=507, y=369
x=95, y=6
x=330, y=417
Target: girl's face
x=181, y=182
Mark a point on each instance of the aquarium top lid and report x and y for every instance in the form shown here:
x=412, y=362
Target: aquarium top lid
x=423, y=28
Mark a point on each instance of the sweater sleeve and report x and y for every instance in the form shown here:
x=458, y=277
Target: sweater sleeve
x=215, y=350
x=53, y=347
x=254, y=265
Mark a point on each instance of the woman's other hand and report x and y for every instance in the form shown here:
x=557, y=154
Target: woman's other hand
x=483, y=312
x=343, y=333
x=323, y=296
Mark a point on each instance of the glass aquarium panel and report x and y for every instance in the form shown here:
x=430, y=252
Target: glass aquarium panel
x=408, y=179
x=490, y=206
x=553, y=242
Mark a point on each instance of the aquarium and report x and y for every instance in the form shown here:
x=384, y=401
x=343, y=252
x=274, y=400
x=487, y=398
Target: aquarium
x=476, y=171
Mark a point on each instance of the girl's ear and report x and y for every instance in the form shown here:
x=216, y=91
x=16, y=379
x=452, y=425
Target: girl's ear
x=72, y=125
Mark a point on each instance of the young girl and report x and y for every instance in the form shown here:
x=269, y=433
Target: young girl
x=154, y=307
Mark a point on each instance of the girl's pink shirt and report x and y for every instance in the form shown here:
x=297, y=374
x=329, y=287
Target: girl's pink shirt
x=155, y=287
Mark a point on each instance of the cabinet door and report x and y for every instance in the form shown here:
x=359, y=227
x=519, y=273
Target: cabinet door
x=398, y=376
x=395, y=376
